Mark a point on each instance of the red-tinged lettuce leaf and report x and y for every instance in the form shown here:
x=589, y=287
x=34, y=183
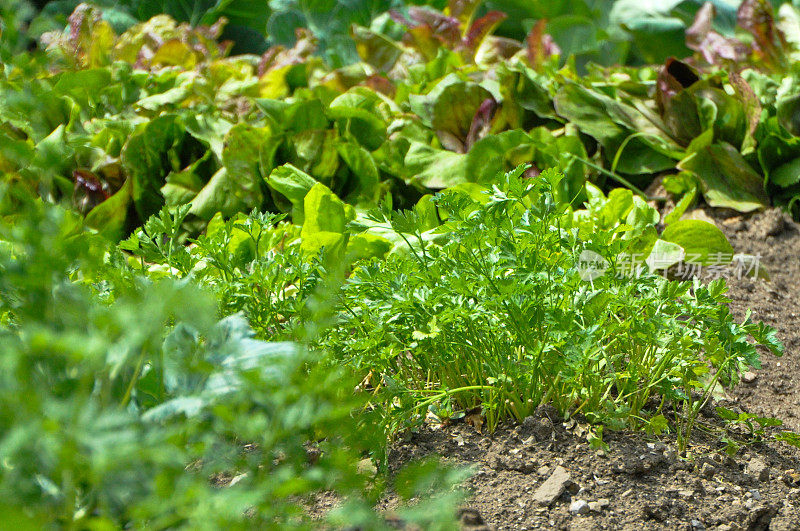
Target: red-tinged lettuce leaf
x=480, y=29
x=282, y=70
x=90, y=41
x=757, y=17
x=496, y=51
x=540, y=46
x=450, y=109
x=463, y=10
x=673, y=77
x=89, y=191
x=481, y=122
x=428, y=30
x=375, y=49
x=750, y=104
x=279, y=56
x=705, y=106
x=727, y=180
x=182, y=45
x=712, y=46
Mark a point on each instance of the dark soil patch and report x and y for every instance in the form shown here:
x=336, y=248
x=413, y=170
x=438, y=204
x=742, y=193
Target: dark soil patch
x=775, y=392
x=638, y=483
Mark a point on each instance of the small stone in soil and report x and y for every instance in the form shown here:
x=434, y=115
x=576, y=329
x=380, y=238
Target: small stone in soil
x=707, y=470
x=471, y=519
x=579, y=507
x=758, y=469
x=749, y=377
x=553, y=487
x=599, y=505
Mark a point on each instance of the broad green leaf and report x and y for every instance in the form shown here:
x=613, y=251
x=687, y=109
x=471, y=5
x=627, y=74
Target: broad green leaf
x=575, y=34
x=787, y=174
x=294, y=184
x=776, y=146
x=642, y=215
x=427, y=213
x=599, y=116
x=727, y=179
x=435, y=168
x=363, y=167
x=54, y=155
x=14, y=153
x=787, y=105
x=181, y=187
x=237, y=186
x=664, y=255
x=324, y=212
x=375, y=49
x=524, y=87
x=209, y=129
x=367, y=128
x=148, y=157
x=333, y=242
x=686, y=201
x=109, y=217
x=314, y=151
x=495, y=154
x=304, y=116
x=366, y=245
x=617, y=207
x=701, y=240
x=74, y=84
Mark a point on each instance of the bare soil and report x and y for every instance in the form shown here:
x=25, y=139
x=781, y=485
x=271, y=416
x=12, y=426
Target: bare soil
x=776, y=239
